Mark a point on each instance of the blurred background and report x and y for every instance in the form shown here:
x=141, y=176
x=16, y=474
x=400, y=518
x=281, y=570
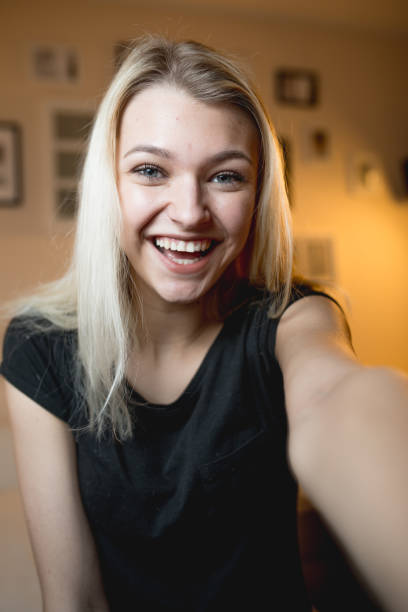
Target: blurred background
x=333, y=76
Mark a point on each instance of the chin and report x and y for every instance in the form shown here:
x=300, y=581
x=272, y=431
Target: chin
x=182, y=291
x=180, y=296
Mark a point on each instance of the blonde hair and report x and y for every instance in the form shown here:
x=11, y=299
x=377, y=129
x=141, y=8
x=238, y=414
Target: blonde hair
x=96, y=296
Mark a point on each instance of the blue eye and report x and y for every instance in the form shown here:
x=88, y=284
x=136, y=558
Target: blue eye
x=149, y=171
x=228, y=178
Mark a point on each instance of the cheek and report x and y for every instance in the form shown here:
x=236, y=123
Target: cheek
x=131, y=219
x=128, y=199
x=135, y=207
x=239, y=222
x=128, y=228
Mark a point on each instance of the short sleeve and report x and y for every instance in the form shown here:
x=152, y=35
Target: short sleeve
x=304, y=290
x=35, y=363
x=299, y=291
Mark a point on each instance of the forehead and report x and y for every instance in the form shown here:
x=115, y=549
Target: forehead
x=165, y=115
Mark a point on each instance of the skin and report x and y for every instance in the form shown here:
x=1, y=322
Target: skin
x=348, y=427
x=187, y=170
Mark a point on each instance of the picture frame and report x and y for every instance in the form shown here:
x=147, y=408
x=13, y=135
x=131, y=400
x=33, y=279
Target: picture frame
x=364, y=173
x=314, y=258
x=296, y=87
x=10, y=164
x=316, y=143
x=54, y=64
x=70, y=125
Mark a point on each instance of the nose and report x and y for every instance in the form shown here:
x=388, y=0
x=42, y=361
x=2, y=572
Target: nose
x=187, y=206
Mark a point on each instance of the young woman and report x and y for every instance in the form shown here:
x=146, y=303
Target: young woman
x=145, y=387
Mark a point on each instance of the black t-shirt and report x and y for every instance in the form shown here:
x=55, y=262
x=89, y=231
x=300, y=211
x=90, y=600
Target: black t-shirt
x=197, y=512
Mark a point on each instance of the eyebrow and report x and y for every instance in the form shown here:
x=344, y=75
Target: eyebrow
x=218, y=157
x=231, y=154
x=145, y=148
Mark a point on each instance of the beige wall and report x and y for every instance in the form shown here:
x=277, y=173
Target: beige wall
x=364, y=96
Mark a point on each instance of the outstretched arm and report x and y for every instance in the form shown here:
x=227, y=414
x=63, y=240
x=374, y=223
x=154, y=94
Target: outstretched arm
x=348, y=442
x=63, y=547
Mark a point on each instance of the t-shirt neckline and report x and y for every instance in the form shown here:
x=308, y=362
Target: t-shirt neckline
x=192, y=387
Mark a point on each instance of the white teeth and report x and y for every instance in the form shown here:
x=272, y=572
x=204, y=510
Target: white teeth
x=188, y=246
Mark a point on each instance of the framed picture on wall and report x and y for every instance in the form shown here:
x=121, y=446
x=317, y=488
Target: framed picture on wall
x=316, y=143
x=54, y=63
x=10, y=164
x=296, y=87
x=70, y=131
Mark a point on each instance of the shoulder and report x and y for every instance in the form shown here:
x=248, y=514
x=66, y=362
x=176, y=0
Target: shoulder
x=34, y=334
x=314, y=350
x=249, y=331
x=305, y=302
x=38, y=360
x=22, y=335
x=312, y=311
x=261, y=300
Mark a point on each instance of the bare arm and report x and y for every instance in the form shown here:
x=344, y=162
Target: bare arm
x=348, y=443
x=63, y=547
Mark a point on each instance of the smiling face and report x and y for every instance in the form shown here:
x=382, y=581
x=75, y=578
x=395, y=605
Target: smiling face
x=187, y=174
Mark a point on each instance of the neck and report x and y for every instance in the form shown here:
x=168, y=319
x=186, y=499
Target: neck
x=174, y=324
x=176, y=340
x=164, y=324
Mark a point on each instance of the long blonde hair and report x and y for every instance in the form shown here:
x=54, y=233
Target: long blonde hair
x=96, y=297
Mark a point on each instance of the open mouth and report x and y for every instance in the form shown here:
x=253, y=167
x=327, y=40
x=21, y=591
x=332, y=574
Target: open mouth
x=184, y=251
